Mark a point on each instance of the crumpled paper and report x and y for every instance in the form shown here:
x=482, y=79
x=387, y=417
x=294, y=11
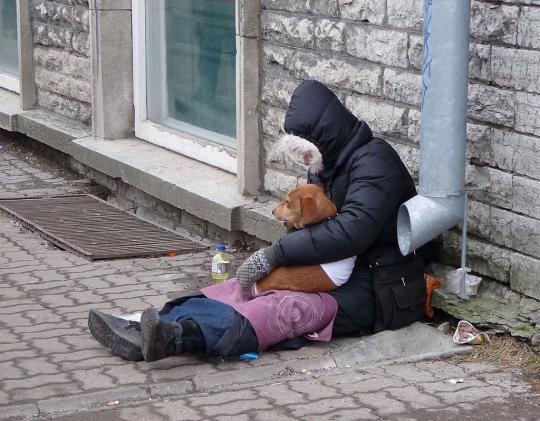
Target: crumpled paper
x=466, y=333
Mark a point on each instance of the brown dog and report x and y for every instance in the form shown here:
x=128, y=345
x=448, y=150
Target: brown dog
x=306, y=205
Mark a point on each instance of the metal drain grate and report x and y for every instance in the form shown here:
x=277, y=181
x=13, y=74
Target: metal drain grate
x=94, y=229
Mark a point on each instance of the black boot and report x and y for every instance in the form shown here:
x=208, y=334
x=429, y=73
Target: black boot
x=161, y=339
x=122, y=337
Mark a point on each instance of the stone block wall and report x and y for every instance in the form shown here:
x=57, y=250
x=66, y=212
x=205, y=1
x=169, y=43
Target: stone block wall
x=370, y=53
x=62, y=69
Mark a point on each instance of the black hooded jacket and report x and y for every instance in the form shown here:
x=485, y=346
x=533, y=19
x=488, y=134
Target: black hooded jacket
x=366, y=180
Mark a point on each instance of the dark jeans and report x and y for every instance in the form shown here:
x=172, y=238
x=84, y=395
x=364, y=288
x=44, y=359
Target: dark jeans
x=226, y=333
x=213, y=317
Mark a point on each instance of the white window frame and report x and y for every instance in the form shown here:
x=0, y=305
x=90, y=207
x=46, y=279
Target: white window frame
x=186, y=144
x=7, y=81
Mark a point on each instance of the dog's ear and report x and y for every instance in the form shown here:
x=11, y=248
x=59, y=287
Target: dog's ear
x=309, y=210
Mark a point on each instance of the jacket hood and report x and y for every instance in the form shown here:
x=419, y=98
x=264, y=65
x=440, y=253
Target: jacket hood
x=316, y=114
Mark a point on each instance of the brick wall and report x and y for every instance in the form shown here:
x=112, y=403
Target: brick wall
x=61, y=56
x=370, y=52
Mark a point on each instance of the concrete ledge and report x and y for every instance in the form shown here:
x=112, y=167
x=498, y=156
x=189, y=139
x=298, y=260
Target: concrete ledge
x=51, y=129
x=9, y=110
x=201, y=190
x=410, y=344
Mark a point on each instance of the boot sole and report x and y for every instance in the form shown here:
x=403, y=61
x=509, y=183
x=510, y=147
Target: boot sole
x=112, y=339
x=149, y=322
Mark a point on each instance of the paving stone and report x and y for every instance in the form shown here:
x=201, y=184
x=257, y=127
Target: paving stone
x=474, y=394
x=10, y=292
x=214, y=380
x=127, y=294
x=223, y=398
x=441, y=369
x=178, y=410
x=478, y=367
x=239, y=417
x=322, y=405
x=281, y=394
x=4, y=398
x=9, y=338
x=20, y=309
x=84, y=355
x=107, y=360
x=58, y=333
x=18, y=355
x=36, y=381
x=82, y=309
x=92, y=379
x=171, y=388
x=56, y=300
x=20, y=411
x=10, y=371
x=276, y=414
x=44, y=315
x=313, y=390
x=36, y=366
x=131, y=304
x=50, y=346
x=81, y=342
x=414, y=397
x=177, y=368
x=93, y=283
x=20, y=269
x=125, y=374
x=74, y=402
x=446, y=386
x=370, y=385
x=54, y=287
x=381, y=403
x=506, y=381
x=13, y=346
x=235, y=407
x=85, y=297
x=42, y=329
x=409, y=373
x=48, y=275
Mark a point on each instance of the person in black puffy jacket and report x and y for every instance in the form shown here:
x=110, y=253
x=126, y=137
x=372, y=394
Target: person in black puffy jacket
x=366, y=179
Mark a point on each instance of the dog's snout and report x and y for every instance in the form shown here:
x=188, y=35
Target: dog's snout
x=274, y=211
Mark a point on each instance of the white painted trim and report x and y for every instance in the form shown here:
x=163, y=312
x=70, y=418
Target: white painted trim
x=201, y=150
x=186, y=144
x=9, y=82
x=27, y=80
x=139, y=62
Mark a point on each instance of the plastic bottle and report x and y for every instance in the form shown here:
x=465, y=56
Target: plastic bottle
x=221, y=265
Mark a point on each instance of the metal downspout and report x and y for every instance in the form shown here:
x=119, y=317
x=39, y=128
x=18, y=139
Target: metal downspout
x=439, y=204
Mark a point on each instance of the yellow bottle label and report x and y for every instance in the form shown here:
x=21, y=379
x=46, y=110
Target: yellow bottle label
x=221, y=265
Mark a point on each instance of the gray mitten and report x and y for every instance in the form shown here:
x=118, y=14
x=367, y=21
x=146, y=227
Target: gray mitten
x=256, y=267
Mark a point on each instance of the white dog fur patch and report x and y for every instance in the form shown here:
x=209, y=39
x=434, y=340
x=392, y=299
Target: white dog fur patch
x=301, y=151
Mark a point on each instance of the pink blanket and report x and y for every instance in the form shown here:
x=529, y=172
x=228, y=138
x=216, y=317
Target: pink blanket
x=279, y=315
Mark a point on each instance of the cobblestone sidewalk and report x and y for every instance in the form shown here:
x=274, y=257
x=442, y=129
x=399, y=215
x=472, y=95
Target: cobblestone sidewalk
x=50, y=366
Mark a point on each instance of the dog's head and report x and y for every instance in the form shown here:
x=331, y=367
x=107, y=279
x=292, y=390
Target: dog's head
x=305, y=205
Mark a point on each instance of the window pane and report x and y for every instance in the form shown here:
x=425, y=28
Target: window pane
x=9, y=62
x=191, y=55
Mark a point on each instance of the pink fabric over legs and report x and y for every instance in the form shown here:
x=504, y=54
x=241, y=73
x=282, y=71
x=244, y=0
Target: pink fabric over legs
x=279, y=315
